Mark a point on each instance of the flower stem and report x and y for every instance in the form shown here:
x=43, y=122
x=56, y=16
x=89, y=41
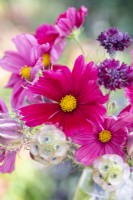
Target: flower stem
x=108, y=103
x=79, y=193
x=80, y=46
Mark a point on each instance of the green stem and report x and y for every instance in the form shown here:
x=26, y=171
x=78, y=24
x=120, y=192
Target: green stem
x=108, y=111
x=80, y=46
x=83, y=185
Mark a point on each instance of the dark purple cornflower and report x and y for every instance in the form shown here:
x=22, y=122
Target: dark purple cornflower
x=114, y=75
x=113, y=40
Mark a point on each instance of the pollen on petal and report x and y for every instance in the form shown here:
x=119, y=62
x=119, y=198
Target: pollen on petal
x=25, y=72
x=46, y=59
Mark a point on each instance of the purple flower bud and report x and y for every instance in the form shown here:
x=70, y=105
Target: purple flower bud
x=11, y=135
x=113, y=40
x=129, y=144
x=113, y=75
x=11, y=139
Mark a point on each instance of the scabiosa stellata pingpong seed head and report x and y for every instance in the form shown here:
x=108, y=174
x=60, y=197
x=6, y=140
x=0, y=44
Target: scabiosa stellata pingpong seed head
x=113, y=40
x=109, y=171
x=114, y=75
x=49, y=145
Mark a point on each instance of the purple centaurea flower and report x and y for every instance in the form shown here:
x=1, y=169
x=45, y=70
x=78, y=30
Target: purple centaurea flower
x=114, y=75
x=113, y=40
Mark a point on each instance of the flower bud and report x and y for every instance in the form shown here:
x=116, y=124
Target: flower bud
x=11, y=135
x=129, y=144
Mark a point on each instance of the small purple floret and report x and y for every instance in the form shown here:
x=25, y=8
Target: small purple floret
x=113, y=75
x=113, y=40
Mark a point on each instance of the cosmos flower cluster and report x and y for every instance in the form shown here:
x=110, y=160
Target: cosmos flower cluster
x=68, y=108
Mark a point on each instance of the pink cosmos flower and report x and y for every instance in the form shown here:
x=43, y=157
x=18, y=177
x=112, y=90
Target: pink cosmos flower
x=3, y=107
x=106, y=138
x=76, y=98
x=128, y=108
x=129, y=93
x=47, y=33
x=23, y=65
x=71, y=20
x=127, y=115
x=9, y=134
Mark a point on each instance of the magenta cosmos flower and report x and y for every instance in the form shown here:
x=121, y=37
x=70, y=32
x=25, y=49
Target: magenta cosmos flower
x=76, y=98
x=23, y=65
x=10, y=137
x=71, y=20
x=47, y=33
x=129, y=92
x=106, y=138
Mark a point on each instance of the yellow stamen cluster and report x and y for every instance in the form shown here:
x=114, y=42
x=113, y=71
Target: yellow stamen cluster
x=105, y=136
x=25, y=72
x=46, y=60
x=68, y=103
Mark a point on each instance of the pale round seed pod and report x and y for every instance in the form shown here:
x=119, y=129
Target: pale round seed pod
x=49, y=145
x=125, y=190
x=105, y=167
x=115, y=177
x=109, y=171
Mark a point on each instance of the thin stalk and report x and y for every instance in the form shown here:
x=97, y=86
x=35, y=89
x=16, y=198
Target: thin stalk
x=109, y=102
x=80, y=46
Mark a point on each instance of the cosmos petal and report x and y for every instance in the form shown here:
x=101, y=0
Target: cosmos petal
x=38, y=114
x=88, y=153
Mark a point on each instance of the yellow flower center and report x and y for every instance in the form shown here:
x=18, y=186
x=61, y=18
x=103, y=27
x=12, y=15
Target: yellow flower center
x=25, y=72
x=46, y=59
x=68, y=103
x=105, y=136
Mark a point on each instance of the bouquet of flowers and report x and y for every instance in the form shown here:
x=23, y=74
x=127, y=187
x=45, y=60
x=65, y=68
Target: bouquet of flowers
x=60, y=113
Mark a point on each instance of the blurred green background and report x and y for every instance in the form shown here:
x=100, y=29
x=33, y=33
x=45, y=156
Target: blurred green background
x=31, y=181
